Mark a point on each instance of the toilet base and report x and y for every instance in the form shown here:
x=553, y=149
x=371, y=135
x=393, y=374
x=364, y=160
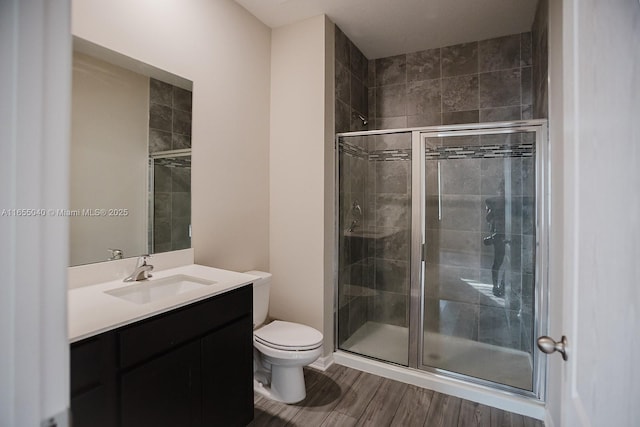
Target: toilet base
x=286, y=384
x=278, y=374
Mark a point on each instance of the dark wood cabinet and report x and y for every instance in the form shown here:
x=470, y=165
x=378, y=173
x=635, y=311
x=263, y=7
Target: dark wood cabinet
x=220, y=381
x=94, y=381
x=164, y=391
x=192, y=366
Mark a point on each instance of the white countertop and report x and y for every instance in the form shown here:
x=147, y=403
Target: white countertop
x=92, y=311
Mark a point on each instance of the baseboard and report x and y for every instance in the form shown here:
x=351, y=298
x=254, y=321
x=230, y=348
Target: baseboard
x=548, y=420
x=323, y=363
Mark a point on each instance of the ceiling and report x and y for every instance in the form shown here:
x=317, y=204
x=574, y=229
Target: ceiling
x=383, y=28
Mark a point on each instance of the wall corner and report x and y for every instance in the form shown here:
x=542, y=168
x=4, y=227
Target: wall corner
x=330, y=266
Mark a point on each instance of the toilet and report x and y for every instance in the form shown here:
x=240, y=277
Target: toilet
x=280, y=349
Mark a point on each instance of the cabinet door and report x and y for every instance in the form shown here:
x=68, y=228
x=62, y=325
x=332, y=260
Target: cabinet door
x=227, y=375
x=164, y=391
x=93, y=409
x=94, y=399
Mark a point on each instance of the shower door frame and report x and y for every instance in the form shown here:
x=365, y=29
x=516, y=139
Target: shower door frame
x=418, y=245
x=418, y=189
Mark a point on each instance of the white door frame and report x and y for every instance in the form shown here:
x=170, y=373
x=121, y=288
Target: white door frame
x=558, y=149
x=35, y=83
x=594, y=104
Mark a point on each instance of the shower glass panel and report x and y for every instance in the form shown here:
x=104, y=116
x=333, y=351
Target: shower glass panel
x=479, y=261
x=374, y=236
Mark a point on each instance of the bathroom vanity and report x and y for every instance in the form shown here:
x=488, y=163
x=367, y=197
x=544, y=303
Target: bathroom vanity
x=187, y=364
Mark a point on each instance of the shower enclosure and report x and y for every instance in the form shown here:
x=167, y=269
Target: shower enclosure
x=442, y=250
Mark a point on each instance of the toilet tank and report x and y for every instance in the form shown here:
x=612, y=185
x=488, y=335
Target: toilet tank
x=261, y=288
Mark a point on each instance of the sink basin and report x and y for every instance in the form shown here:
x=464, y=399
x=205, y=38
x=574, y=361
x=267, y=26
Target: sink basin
x=157, y=289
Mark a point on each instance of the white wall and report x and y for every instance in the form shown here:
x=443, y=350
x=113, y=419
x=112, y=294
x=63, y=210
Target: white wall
x=300, y=171
x=225, y=51
x=330, y=265
x=109, y=159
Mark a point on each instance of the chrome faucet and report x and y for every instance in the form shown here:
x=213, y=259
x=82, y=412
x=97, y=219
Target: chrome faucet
x=142, y=270
x=115, y=254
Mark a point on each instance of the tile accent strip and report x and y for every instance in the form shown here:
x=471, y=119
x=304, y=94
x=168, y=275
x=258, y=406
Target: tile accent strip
x=352, y=150
x=174, y=162
x=439, y=153
x=480, y=152
x=391, y=155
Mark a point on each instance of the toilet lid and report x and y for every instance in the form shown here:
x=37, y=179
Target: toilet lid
x=288, y=336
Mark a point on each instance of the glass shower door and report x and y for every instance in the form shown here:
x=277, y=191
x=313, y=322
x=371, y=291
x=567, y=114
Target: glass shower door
x=374, y=239
x=479, y=256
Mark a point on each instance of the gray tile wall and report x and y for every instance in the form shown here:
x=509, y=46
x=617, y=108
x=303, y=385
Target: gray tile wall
x=489, y=80
x=351, y=69
x=351, y=85
x=170, y=129
x=484, y=81
x=540, y=52
x=389, y=206
x=169, y=117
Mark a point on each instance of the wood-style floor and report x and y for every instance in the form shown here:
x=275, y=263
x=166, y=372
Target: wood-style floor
x=346, y=397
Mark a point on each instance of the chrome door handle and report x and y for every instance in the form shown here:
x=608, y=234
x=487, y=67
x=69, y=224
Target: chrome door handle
x=548, y=345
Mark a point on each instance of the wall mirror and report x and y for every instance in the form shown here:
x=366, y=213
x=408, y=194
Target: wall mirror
x=130, y=171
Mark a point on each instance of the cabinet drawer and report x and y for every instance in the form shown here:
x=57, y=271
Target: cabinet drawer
x=160, y=333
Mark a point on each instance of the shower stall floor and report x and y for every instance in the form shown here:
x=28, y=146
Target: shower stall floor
x=490, y=362
x=382, y=341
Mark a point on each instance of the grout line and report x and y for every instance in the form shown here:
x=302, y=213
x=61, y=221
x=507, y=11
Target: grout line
x=441, y=89
x=478, y=65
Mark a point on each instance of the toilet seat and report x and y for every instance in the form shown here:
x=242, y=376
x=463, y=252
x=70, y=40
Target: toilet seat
x=288, y=336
